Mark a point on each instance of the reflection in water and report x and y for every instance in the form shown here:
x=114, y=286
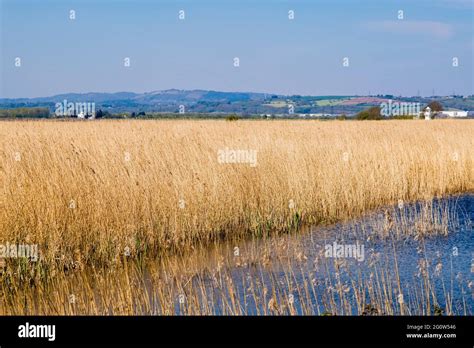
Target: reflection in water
x=410, y=260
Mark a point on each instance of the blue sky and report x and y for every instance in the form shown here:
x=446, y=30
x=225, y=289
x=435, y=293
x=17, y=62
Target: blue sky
x=277, y=55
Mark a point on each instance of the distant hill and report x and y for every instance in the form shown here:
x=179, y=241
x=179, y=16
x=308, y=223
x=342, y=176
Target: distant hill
x=216, y=102
x=165, y=96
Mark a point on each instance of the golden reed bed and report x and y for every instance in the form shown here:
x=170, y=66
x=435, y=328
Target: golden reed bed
x=88, y=192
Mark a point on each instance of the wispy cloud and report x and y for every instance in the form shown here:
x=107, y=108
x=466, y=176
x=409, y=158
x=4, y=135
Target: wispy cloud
x=432, y=28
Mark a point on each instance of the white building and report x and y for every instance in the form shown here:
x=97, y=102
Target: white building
x=454, y=113
x=427, y=113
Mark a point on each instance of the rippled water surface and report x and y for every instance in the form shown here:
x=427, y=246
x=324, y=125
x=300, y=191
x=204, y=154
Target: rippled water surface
x=409, y=260
x=413, y=259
